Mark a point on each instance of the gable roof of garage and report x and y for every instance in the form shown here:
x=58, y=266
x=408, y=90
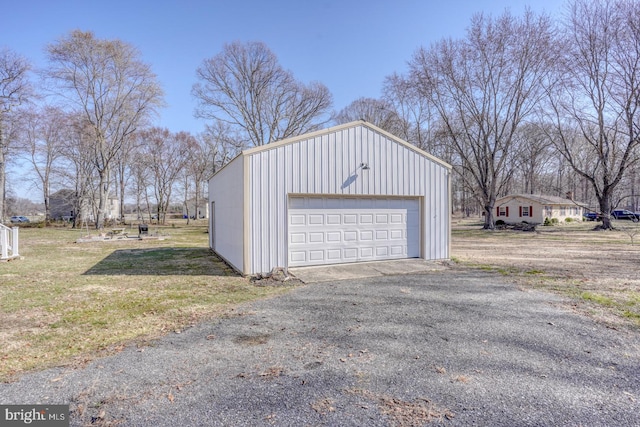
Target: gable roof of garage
x=327, y=131
x=338, y=128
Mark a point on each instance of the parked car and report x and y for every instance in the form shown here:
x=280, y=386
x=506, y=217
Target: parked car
x=592, y=216
x=625, y=214
x=18, y=219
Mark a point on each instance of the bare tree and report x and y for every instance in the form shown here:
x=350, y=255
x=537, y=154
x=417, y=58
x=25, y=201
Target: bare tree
x=114, y=90
x=221, y=144
x=375, y=111
x=15, y=88
x=595, y=98
x=484, y=88
x=413, y=110
x=197, y=171
x=165, y=155
x=245, y=87
x=80, y=170
x=44, y=135
x=534, y=153
x=123, y=161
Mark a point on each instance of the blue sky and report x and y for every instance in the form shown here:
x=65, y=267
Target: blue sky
x=348, y=45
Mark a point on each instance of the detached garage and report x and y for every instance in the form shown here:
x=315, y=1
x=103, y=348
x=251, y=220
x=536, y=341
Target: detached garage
x=350, y=193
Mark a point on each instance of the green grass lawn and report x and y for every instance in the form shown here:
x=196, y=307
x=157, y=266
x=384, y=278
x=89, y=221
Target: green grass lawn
x=67, y=302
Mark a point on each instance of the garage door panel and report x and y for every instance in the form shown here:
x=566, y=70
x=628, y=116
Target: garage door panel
x=298, y=238
x=366, y=235
x=334, y=254
x=366, y=252
x=296, y=219
x=366, y=219
x=396, y=234
x=334, y=219
x=334, y=236
x=350, y=218
x=316, y=219
x=298, y=256
x=350, y=254
x=382, y=219
x=382, y=234
x=397, y=250
x=338, y=229
x=350, y=236
x=382, y=251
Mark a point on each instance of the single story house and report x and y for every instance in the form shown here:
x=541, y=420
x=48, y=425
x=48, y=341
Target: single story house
x=190, y=208
x=531, y=208
x=349, y=193
x=62, y=206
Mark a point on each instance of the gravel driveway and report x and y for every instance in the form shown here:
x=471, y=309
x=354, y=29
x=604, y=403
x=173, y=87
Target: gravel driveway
x=452, y=347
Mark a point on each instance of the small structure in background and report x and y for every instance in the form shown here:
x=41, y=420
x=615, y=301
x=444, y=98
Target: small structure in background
x=9, y=243
x=65, y=205
x=535, y=209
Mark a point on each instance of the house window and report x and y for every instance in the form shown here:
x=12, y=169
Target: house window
x=502, y=211
x=525, y=211
x=548, y=211
x=563, y=210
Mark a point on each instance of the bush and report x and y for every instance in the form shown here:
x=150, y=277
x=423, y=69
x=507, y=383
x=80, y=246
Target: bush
x=555, y=221
x=500, y=222
x=568, y=220
x=547, y=222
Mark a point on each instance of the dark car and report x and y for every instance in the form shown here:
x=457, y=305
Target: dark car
x=592, y=216
x=624, y=214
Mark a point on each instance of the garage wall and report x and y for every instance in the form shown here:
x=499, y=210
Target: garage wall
x=226, y=191
x=328, y=163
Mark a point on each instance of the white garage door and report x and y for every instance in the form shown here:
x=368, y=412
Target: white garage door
x=333, y=230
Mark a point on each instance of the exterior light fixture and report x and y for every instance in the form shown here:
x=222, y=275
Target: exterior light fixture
x=364, y=166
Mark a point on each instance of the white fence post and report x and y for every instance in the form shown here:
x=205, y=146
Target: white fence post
x=4, y=242
x=15, y=241
x=9, y=239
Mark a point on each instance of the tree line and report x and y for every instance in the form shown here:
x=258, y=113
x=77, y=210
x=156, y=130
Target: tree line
x=520, y=104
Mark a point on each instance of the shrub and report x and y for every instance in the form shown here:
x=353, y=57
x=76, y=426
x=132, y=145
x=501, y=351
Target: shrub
x=500, y=222
x=555, y=221
x=568, y=220
x=547, y=222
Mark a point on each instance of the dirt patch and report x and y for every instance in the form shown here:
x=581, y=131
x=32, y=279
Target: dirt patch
x=402, y=413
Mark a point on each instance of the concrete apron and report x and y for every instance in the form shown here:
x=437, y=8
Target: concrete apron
x=359, y=270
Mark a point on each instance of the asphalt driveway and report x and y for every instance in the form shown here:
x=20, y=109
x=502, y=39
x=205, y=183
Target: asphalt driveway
x=450, y=347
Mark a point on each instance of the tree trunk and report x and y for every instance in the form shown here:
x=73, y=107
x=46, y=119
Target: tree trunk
x=605, y=209
x=103, y=197
x=489, y=222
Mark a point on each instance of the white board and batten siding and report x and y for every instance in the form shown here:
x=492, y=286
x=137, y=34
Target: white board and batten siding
x=404, y=192
x=226, y=228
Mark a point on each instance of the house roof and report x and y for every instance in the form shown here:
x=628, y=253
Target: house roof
x=542, y=199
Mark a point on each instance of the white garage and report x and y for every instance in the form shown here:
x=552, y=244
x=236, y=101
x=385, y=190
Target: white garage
x=351, y=193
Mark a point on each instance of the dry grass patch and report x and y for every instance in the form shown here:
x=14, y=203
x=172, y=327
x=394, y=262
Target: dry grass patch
x=598, y=269
x=67, y=302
